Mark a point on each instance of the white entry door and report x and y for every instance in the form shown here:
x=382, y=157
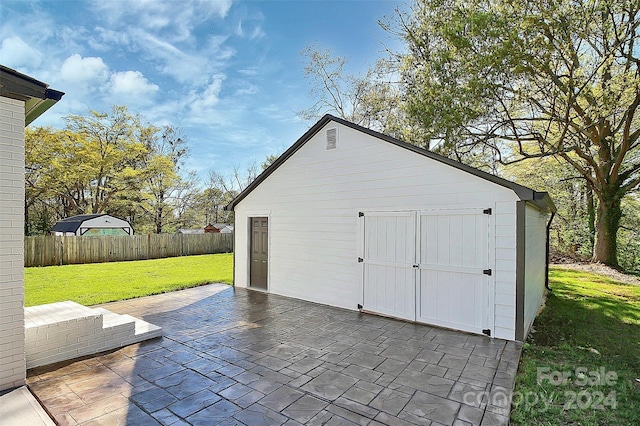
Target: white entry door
x=453, y=282
x=389, y=256
x=428, y=266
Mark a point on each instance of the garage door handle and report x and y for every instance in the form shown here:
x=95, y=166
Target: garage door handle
x=416, y=266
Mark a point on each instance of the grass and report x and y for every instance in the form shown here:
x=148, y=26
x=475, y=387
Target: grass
x=96, y=283
x=581, y=364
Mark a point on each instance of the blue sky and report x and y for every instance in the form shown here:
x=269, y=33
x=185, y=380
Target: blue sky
x=228, y=73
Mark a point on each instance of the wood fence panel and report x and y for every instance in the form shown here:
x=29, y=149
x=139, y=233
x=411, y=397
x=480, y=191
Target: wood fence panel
x=46, y=250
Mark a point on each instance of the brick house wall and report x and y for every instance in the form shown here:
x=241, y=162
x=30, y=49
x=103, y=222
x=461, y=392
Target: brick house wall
x=12, y=333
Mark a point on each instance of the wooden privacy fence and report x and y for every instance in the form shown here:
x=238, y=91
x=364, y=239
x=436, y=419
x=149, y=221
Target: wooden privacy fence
x=46, y=250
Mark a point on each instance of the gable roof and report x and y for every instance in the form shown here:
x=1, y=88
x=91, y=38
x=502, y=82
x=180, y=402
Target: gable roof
x=71, y=224
x=190, y=231
x=540, y=199
x=36, y=95
x=217, y=225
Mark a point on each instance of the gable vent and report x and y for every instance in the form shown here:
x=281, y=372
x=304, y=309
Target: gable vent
x=332, y=138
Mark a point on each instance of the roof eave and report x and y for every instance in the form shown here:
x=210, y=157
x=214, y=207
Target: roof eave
x=281, y=159
x=540, y=199
x=36, y=95
x=34, y=108
x=544, y=202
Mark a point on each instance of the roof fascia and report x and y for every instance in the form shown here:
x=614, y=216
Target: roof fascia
x=540, y=199
x=284, y=157
x=36, y=95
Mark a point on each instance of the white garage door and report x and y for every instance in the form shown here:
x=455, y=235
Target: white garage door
x=428, y=266
x=389, y=256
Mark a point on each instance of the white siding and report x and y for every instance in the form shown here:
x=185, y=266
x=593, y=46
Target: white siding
x=454, y=291
x=505, y=275
x=535, y=264
x=313, y=200
x=389, y=255
x=12, y=337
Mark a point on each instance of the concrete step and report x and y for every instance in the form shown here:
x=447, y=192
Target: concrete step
x=111, y=320
x=55, y=313
x=67, y=330
x=144, y=331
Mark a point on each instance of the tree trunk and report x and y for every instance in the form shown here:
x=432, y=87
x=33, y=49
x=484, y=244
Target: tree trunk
x=608, y=214
x=159, y=220
x=26, y=218
x=159, y=211
x=591, y=215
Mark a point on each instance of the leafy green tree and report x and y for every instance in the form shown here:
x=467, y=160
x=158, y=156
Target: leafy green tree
x=269, y=161
x=55, y=176
x=571, y=229
x=629, y=234
x=41, y=144
x=110, y=149
x=529, y=80
x=109, y=163
x=211, y=203
x=163, y=183
x=184, y=205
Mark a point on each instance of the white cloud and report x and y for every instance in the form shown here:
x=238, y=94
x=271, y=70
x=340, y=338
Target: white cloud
x=16, y=53
x=249, y=72
x=82, y=78
x=218, y=7
x=105, y=39
x=191, y=67
x=132, y=83
x=182, y=67
x=169, y=35
x=176, y=19
x=209, y=98
x=276, y=112
x=246, y=89
x=256, y=33
x=239, y=29
x=71, y=38
x=78, y=70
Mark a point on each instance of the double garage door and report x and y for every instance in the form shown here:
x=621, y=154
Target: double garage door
x=429, y=267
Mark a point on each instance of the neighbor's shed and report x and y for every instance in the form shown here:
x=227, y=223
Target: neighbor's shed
x=414, y=235
x=191, y=231
x=218, y=228
x=92, y=225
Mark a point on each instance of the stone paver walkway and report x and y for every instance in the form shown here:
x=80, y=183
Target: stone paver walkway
x=235, y=356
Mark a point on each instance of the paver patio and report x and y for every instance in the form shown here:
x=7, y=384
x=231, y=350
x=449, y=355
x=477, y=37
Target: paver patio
x=234, y=356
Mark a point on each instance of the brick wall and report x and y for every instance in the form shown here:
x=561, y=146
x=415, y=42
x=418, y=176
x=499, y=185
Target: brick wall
x=12, y=334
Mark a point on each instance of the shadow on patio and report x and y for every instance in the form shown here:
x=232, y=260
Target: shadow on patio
x=236, y=356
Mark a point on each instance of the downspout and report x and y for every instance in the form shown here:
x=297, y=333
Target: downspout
x=546, y=277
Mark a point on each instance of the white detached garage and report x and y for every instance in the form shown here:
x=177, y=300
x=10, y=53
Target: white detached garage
x=352, y=218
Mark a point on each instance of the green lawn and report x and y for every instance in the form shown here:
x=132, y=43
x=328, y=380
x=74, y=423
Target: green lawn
x=581, y=364
x=107, y=282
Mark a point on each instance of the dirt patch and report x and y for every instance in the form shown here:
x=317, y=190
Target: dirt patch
x=599, y=268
